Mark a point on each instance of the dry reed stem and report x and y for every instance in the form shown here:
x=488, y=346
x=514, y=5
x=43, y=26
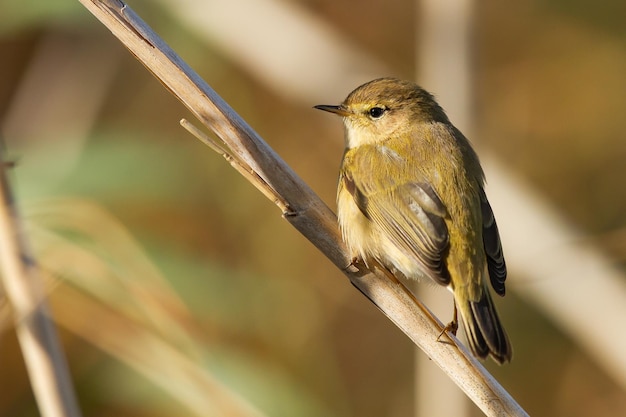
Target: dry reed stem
x=43, y=355
x=302, y=208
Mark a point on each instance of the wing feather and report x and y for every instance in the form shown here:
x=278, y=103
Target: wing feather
x=493, y=247
x=405, y=208
x=412, y=216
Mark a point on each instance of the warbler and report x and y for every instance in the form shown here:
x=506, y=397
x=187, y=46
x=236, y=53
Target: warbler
x=411, y=198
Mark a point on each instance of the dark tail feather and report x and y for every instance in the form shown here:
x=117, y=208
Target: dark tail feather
x=485, y=333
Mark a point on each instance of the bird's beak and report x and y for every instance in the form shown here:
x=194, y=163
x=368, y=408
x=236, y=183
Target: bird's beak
x=339, y=110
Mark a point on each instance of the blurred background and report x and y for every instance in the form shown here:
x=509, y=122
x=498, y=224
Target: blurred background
x=179, y=290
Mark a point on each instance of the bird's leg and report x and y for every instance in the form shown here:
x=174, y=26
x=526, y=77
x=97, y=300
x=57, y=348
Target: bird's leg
x=357, y=263
x=451, y=327
x=357, y=266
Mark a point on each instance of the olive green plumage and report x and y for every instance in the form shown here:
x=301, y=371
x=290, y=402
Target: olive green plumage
x=411, y=197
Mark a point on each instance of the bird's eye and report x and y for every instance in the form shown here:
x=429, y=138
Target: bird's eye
x=376, y=112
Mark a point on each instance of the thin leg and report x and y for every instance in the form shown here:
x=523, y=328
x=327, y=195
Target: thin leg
x=451, y=327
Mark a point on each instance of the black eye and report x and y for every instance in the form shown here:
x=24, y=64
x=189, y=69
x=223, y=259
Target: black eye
x=376, y=112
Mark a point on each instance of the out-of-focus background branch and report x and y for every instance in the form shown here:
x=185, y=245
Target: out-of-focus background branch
x=89, y=128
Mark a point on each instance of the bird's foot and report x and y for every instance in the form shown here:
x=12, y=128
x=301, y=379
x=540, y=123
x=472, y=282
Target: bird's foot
x=451, y=327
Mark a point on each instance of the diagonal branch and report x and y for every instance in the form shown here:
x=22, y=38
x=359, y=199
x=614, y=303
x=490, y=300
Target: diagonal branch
x=300, y=205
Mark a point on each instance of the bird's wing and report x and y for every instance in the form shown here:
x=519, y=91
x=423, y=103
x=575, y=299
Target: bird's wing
x=411, y=215
x=493, y=248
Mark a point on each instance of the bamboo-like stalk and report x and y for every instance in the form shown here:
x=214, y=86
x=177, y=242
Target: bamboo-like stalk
x=43, y=355
x=300, y=205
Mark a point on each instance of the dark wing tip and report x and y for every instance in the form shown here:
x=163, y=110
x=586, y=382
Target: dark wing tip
x=493, y=247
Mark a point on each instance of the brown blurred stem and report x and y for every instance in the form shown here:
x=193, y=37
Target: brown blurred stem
x=300, y=205
x=43, y=355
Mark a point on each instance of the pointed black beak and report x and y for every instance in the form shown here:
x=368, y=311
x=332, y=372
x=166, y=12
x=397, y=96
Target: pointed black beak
x=339, y=110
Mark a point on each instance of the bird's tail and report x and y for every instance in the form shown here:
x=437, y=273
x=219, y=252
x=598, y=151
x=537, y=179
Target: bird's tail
x=485, y=333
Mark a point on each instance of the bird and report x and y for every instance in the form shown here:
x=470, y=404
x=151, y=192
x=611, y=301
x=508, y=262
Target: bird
x=411, y=198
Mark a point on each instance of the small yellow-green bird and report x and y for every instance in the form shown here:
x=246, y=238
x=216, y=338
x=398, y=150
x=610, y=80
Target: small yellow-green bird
x=411, y=198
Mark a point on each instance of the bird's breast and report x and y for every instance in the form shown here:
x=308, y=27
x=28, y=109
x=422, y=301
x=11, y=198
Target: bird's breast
x=356, y=229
